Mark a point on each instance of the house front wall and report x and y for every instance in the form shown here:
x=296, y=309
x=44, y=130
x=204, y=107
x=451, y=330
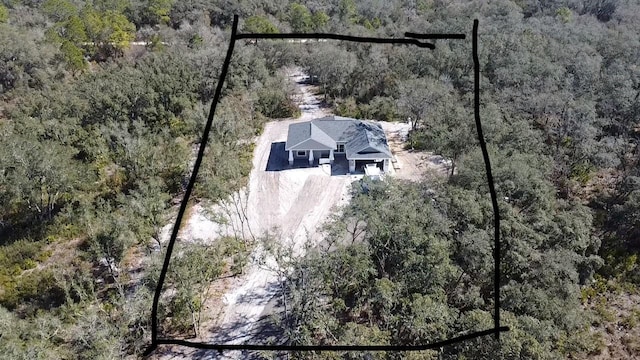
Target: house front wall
x=304, y=154
x=310, y=155
x=300, y=154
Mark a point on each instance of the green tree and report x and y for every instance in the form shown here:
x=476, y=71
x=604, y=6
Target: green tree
x=259, y=24
x=319, y=19
x=300, y=18
x=191, y=274
x=150, y=202
x=26, y=62
x=417, y=100
x=4, y=14
x=73, y=56
x=109, y=32
x=347, y=11
x=332, y=70
x=40, y=175
x=59, y=10
x=160, y=10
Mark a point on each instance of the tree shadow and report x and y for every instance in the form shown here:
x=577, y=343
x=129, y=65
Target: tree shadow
x=271, y=290
x=262, y=332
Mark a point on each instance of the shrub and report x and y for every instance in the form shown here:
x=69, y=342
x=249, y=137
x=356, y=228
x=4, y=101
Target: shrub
x=275, y=104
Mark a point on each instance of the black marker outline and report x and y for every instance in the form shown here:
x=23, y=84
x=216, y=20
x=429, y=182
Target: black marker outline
x=435, y=36
x=496, y=330
x=187, y=193
x=492, y=188
x=351, y=38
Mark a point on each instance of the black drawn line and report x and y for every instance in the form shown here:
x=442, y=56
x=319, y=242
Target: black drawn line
x=438, y=344
x=431, y=346
x=492, y=188
x=338, y=37
x=435, y=36
x=187, y=194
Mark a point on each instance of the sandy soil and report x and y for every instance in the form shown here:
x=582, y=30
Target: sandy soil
x=410, y=164
x=295, y=201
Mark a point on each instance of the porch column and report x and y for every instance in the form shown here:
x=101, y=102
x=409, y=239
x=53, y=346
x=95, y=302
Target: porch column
x=310, y=157
x=290, y=157
x=352, y=166
x=385, y=165
x=331, y=156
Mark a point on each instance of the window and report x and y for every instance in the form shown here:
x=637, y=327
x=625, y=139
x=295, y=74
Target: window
x=302, y=153
x=340, y=148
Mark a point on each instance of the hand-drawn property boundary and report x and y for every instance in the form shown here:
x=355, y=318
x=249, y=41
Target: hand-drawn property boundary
x=410, y=39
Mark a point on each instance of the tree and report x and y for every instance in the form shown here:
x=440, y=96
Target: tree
x=150, y=202
x=110, y=32
x=331, y=66
x=149, y=12
x=59, y=10
x=26, y=62
x=191, y=274
x=449, y=131
x=319, y=19
x=4, y=14
x=73, y=56
x=347, y=11
x=300, y=18
x=41, y=176
x=417, y=99
x=160, y=10
x=260, y=25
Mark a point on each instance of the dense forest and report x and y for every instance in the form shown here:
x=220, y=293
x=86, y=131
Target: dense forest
x=103, y=103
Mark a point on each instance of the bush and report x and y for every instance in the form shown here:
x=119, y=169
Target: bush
x=17, y=257
x=348, y=108
x=275, y=103
x=33, y=291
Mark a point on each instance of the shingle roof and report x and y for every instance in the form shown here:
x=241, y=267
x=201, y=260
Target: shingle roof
x=335, y=126
x=363, y=139
x=367, y=141
x=307, y=136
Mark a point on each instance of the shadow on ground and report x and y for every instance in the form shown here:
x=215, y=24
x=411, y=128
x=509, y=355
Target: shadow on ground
x=264, y=331
x=279, y=161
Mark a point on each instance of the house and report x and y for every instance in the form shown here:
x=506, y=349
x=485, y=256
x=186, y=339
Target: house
x=360, y=142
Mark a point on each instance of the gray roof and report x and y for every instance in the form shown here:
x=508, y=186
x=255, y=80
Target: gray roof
x=363, y=139
x=367, y=141
x=307, y=136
